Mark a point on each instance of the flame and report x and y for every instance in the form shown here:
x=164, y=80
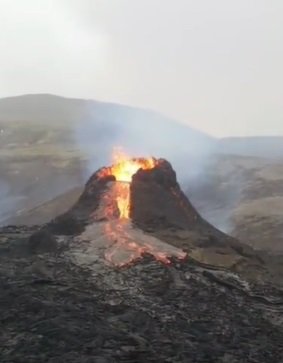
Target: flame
x=123, y=169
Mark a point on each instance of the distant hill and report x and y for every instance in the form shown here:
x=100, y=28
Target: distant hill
x=83, y=124
x=260, y=146
x=86, y=123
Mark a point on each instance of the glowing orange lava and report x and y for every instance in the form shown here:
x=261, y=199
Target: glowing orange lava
x=123, y=169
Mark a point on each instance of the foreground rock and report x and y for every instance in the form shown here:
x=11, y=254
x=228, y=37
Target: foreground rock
x=55, y=310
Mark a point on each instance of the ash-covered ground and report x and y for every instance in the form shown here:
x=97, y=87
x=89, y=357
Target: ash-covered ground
x=62, y=301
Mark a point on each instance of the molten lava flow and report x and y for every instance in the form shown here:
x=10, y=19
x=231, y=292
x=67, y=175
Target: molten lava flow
x=123, y=199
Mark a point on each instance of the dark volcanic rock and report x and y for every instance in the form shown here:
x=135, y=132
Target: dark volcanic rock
x=42, y=241
x=157, y=200
x=74, y=221
x=66, y=224
x=147, y=313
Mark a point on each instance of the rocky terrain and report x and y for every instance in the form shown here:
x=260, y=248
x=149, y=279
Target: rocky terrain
x=61, y=300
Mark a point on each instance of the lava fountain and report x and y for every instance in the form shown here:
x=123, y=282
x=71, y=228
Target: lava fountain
x=123, y=170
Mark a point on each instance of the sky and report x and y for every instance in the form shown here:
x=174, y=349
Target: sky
x=215, y=65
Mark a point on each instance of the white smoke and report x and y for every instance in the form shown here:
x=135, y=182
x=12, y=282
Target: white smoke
x=141, y=133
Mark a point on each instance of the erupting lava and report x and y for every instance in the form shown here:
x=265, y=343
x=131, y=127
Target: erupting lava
x=123, y=169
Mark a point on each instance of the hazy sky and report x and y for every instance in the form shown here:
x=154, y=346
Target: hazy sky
x=214, y=64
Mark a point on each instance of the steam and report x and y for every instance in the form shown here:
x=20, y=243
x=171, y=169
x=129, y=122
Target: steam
x=141, y=133
x=8, y=201
x=217, y=190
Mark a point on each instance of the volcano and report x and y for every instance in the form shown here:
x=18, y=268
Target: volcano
x=125, y=205
x=132, y=273
x=148, y=195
